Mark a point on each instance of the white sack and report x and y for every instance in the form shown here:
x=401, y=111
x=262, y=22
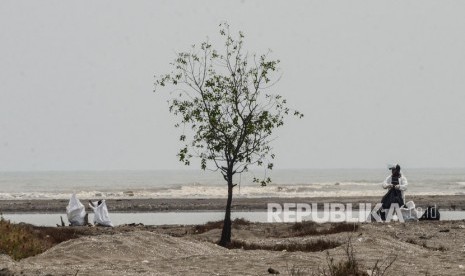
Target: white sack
x=75, y=211
x=409, y=212
x=101, y=214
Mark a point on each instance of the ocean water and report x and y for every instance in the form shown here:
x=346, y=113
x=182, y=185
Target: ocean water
x=205, y=184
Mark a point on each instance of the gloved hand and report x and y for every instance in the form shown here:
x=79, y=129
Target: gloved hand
x=397, y=187
x=390, y=186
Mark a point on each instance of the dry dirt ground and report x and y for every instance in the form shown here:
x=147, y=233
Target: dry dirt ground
x=421, y=248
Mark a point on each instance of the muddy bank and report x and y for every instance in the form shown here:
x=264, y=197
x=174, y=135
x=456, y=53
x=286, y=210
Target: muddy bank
x=454, y=202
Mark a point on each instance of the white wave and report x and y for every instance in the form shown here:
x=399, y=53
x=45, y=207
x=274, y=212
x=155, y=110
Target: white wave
x=356, y=184
x=249, y=191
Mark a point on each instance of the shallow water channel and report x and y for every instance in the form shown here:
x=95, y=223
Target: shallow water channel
x=174, y=218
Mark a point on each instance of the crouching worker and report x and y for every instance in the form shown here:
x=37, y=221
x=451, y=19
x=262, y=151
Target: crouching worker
x=101, y=217
x=396, y=184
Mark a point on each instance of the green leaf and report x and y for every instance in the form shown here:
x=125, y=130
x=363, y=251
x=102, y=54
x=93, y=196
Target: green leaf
x=221, y=100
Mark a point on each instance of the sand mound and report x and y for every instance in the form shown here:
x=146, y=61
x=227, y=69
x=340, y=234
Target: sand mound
x=127, y=246
x=147, y=253
x=130, y=253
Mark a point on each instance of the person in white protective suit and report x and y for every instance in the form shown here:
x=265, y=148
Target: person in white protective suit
x=396, y=184
x=101, y=217
x=396, y=180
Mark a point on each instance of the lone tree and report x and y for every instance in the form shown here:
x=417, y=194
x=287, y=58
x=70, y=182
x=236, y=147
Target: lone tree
x=226, y=112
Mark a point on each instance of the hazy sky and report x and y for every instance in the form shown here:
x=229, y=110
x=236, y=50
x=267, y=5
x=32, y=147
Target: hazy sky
x=378, y=81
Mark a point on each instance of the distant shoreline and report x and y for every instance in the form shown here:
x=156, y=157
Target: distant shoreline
x=444, y=202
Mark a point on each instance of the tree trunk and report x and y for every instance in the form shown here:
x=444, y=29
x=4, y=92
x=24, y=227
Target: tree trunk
x=226, y=233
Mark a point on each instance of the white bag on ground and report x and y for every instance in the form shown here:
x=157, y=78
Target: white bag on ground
x=409, y=212
x=101, y=214
x=75, y=211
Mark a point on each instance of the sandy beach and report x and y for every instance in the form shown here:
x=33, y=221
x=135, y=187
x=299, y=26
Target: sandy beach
x=420, y=248
x=449, y=202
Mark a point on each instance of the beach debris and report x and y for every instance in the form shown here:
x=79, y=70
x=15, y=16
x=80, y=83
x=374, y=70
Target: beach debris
x=145, y=261
x=128, y=193
x=461, y=266
x=86, y=220
x=431, y=213
x=273, y=271
x=444, y=230
x=133, y=224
